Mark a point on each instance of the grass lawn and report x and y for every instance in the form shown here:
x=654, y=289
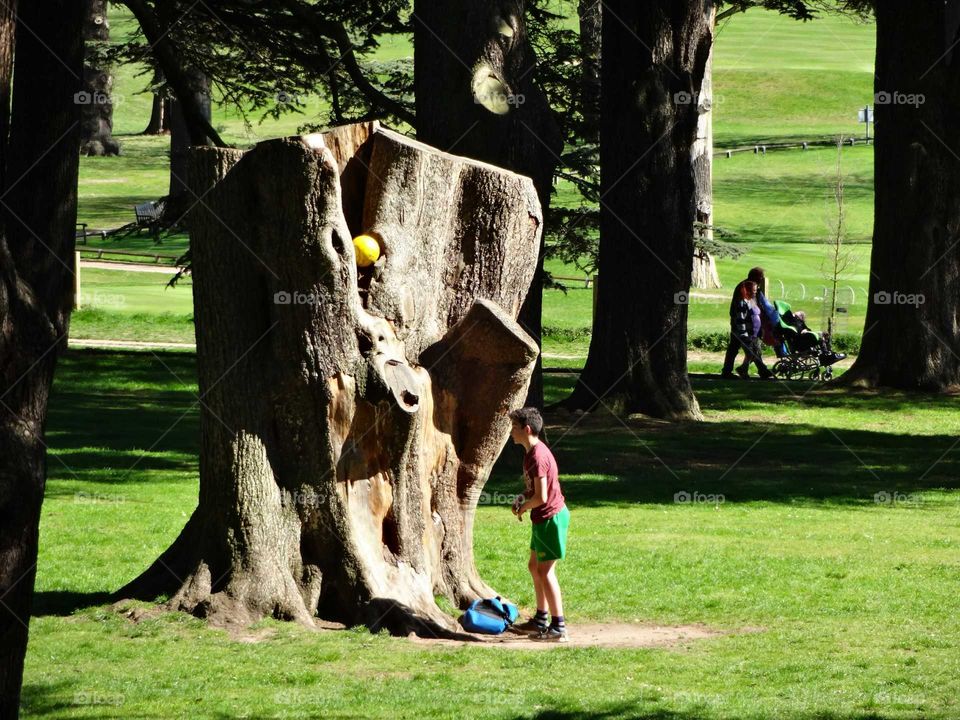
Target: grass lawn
x=774, y=78
x=834, y=605
x=122, y=305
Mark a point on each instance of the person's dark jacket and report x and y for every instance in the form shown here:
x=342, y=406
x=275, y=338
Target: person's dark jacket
x=740, y=321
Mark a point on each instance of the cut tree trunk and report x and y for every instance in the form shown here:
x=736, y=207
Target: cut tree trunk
x=477, y=95
x=654, y=60
x=96, y=100
x=911, y=337
x=39, y=200
x=349, y=417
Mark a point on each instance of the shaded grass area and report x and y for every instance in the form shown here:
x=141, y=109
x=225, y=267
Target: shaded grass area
x=850, y=599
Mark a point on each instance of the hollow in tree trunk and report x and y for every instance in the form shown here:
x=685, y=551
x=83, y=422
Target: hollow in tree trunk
x=477, y=95
x=911, y=337
x=349, y=417
x=654, y=59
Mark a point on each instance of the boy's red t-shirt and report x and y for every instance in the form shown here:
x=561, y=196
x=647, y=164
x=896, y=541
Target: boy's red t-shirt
x=539, y=462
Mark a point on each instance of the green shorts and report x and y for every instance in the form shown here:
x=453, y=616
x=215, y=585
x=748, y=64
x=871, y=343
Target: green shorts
x=549, y=539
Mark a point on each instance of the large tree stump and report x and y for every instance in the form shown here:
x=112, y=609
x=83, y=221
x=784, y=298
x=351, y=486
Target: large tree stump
x=349, y=418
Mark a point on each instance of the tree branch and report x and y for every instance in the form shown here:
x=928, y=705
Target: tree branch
x=335, y=31
x=201, y=131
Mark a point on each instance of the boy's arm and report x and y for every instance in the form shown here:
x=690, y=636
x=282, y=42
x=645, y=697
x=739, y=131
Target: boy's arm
x=539, y=496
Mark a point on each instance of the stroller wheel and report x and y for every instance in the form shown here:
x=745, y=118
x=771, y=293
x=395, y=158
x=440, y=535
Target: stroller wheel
x=828, y=374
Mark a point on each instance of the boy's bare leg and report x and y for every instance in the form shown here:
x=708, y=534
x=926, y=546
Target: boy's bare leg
x=533, y=567
x=546, y=569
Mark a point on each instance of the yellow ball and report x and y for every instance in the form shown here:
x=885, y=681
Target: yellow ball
x=367, y=250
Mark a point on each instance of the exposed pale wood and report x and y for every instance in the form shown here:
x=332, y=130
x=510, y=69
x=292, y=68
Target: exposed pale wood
x=346, y=439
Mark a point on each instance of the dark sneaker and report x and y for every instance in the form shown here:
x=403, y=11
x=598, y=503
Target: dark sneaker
x=728, y=376
x=550, y=634
x=530, y=625
x=743, y=373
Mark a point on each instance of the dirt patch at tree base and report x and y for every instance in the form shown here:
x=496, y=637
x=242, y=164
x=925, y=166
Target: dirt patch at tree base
x=603, y=635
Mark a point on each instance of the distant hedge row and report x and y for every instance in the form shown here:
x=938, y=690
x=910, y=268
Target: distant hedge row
x=705, y=341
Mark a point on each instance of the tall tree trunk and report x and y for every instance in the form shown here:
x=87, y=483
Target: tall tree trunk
x=590, y=14
x=704, y=266
x=39, y=211
x=912, y=333
x=476, y=94
x=180, y=141
x=654, y=59
x=160, y=111
x=96, y=99
x=349, y=418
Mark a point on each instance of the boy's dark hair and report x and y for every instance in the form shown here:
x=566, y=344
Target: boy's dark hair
x=528, y=416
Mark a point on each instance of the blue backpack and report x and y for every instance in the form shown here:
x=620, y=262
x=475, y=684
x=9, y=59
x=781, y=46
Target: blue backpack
x=491, y=616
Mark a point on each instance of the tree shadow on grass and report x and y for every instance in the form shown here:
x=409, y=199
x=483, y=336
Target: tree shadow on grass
x=65, y=602
x=114, y=409
x=629, y=711
x=608, y=460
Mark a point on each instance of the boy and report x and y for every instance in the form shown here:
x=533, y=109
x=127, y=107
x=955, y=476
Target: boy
x=550, y=517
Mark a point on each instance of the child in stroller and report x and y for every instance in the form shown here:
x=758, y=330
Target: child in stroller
x=802, y=352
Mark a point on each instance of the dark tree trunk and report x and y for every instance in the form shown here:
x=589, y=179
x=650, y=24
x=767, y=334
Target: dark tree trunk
x=160, y=112
x=349, y=418
x=912, y=333
x=157, y=23
x=654, y=60
x=96, y=100
x=476, y=95
x=39, y=210
x=180, y=142
x=590, y=13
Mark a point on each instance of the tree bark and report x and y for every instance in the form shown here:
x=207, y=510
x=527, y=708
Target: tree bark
x=39, y=208
x=160, y=111
x=704, y=266
x=96, y=99
x=180, y=142
x=590, y=14
x=912, y=333
x=476, y=93
x=349, y=418
x=654, y=60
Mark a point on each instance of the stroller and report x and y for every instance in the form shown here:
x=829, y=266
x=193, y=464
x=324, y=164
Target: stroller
x=802, y=352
